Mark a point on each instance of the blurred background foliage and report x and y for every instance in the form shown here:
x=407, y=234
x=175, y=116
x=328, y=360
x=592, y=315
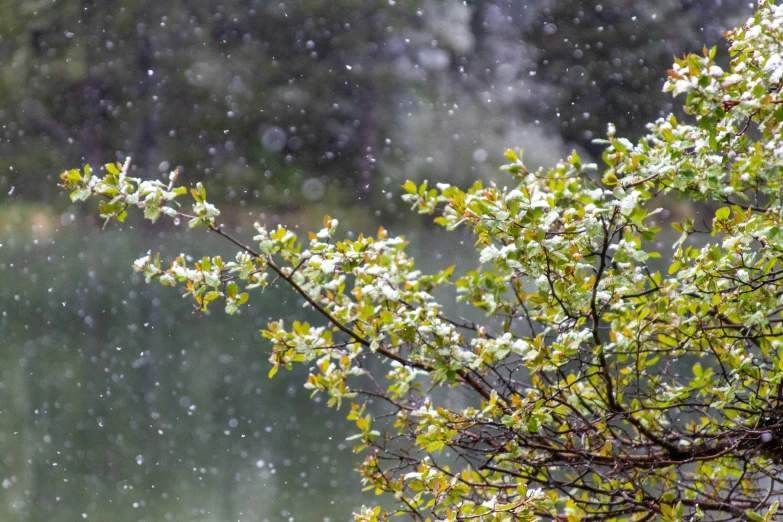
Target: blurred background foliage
x=115, y=402
x=278, y=103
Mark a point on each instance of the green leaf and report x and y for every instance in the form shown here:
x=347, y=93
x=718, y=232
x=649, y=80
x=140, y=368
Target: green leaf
x=151, y=213
x=610, y=180
x=80, y=195
x=679, y=510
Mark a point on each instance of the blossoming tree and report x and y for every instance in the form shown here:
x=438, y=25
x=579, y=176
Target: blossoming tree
x=611, y=391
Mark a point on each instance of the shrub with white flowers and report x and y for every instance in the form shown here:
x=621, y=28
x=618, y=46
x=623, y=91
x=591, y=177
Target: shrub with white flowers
x=612, y=390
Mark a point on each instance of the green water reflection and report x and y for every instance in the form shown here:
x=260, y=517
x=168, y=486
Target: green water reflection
x=116, y=403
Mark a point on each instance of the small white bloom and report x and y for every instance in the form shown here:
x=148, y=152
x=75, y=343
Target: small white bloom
x=328, y=266
x=731, y=80
x=507, y=249
x=773, y=62
x=323, y=234
x=682, y=86
x=753, y=32
x=629, y=202
x=390, y=293
x=595, y=195
x=141, y=262
x=539, y=201
x=626, y=143
x=514, y=194
x=489, y=253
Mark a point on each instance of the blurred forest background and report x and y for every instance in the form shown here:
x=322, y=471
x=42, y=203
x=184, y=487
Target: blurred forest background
x=115, y=402
x=292, y=100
